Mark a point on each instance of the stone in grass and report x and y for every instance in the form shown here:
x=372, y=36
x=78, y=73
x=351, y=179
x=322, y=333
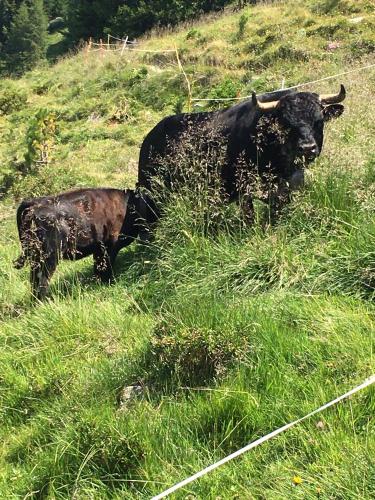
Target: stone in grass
x=331, y=46
x=320, y=425
x=356, y=20
x=128, y=394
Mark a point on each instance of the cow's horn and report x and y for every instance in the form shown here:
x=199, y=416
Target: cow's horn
x=263, y=106
x=333, y=98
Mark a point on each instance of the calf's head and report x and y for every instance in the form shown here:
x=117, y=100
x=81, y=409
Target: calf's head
x=302, y=115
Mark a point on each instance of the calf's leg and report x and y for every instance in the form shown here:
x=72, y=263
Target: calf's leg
x=41, y=273
x=103, y=263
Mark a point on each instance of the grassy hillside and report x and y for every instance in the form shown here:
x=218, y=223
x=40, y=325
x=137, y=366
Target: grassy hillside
x=228, y=337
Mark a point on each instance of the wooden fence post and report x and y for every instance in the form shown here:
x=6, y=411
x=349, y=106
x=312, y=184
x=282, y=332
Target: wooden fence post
x=186, y=78
x=124, y=46
x=88, y=48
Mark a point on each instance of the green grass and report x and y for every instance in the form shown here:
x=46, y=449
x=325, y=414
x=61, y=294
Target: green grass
x=230, y=336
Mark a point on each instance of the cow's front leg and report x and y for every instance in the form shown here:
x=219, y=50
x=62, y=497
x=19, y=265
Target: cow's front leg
x=281, y=195
x=103, y=263
x=247, y=207
x=41, y=273
x=278, y=198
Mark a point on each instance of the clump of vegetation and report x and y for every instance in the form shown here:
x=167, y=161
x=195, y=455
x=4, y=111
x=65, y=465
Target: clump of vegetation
x=40, y=139
x=242, y=22
x=12, y=98
x=195, y=355
x=364, y=46
x=227, y=88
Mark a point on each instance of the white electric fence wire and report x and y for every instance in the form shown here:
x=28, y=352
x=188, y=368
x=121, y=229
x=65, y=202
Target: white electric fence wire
x=354, y=70
x=123, y=39
x=156, y=51
x=104, y=46
x=250, y=446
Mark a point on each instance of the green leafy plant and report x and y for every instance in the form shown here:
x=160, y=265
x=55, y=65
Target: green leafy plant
x=11, y=99
x=242, y=22
x=40, y=139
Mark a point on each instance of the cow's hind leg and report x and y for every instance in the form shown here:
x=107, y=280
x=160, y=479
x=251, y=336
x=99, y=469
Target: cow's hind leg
x=103, y=263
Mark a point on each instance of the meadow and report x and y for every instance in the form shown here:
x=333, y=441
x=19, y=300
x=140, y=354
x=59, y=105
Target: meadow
x=226, y=336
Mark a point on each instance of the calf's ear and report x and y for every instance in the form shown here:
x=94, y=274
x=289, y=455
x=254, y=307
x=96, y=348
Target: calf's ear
x=332, y=111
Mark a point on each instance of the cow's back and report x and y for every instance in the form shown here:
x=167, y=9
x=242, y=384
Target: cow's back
x=99, y=213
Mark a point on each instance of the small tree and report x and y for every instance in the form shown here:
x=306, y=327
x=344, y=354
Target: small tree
x=55, y=8
x=7, y=8
x=27, y=39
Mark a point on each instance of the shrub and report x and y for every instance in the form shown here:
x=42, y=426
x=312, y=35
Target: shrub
x=193, y=33
x=225, y=89
x=122, y=111
x=336, y=6
x=11, y=99
x=43, y=86
x=242, y=22
x=40, y=138
x=194, y=355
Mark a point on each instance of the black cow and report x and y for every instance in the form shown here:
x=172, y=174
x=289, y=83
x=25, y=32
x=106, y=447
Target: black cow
x=73, y=225
x=274, y=135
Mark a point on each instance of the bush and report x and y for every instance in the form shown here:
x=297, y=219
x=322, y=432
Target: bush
x=227, y=88
x=242, y=22
x=40, y=138
x=195, y=355
x=11, y=99
x=336, y=6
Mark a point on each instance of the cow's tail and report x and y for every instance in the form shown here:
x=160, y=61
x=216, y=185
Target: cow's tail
x=24, y=226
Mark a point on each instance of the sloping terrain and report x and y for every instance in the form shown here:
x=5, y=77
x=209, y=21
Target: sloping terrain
x=229, y=336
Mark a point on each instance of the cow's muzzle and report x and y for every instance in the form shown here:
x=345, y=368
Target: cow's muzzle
x=309, y=151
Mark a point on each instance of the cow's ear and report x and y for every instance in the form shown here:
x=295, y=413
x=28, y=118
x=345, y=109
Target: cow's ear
x=332, y=111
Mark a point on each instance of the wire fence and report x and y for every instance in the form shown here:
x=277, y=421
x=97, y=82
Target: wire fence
x=124, y=45
x=299, y=85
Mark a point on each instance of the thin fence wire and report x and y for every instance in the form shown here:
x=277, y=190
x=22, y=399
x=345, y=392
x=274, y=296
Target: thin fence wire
x=104, y=46
x=130, y=42
x=123, y=47
x=299, y=85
